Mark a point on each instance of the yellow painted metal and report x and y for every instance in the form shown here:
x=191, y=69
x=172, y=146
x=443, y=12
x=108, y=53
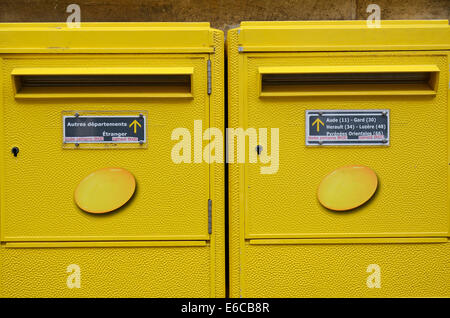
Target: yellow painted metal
x=343, y=36
x=344, y=270
x=357, y=185
x=105, y=190
x=156, y=245
x=177, y=215
x=148, y=271
x=355, y=240
x=347, y=69
x=415, y=157
x=103, y=244
x=104, y=71
x=100, y=37
x=283, y=242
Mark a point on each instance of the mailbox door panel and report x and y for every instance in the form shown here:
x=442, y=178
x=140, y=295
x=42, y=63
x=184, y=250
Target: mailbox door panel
x=170, y=202
x=358, y=270
x=412, y=194
x=139, y=271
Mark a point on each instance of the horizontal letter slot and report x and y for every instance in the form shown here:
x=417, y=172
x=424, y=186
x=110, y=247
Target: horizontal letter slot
x=349, y=80
x=101, y=82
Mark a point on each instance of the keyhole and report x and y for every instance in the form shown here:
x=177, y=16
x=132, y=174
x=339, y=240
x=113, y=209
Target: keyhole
x=15, y=151
x=259, y=149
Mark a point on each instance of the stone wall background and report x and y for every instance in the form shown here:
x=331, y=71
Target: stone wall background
x=222, y=14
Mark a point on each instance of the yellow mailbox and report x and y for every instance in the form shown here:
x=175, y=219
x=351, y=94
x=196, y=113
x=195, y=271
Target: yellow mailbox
x=93, y=203
x=348, y=195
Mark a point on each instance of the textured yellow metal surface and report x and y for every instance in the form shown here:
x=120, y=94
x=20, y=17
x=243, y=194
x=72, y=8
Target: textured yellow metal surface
x=161, y=208
x=283, y=242
x=343, y=35
x=412, y=196
x=156, y=245
x=105, y=190
x=152, y=37
x=334, y=270
x=107, y=272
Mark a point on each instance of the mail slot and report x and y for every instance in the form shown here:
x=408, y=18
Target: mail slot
x=88, y=180
x=357, y=118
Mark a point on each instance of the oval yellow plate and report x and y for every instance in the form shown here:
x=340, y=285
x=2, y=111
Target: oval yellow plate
x=347, y=188
x=105, y=190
